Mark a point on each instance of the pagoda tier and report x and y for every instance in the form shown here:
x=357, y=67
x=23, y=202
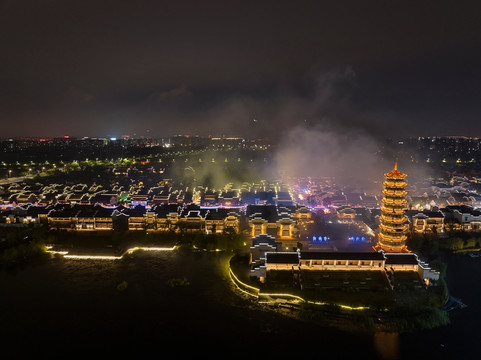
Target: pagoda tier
x=394, y=192
x=393, y=228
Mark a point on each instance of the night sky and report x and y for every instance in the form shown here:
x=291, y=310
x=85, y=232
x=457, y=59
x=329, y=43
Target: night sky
x=239, y=68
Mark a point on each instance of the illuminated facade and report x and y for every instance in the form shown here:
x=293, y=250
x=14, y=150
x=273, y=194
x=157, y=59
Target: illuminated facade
x=273, y=221
x=393, y=228
x=326, y=261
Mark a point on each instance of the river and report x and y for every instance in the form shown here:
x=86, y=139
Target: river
x=67, y=307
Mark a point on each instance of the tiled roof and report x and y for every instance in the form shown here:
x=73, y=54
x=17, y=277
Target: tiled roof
x=334, y=255
x=401, y=259
x=282, y=258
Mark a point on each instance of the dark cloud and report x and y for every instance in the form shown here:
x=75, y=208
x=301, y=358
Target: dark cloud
x=96, y=67
x=171, y=93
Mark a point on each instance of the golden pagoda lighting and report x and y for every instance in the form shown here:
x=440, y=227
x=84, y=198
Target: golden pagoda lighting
x=393, y=228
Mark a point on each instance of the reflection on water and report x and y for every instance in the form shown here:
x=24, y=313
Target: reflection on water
x=387, y=345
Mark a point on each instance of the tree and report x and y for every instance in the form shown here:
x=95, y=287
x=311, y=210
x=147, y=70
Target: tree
x=470, y=243
x=450, y=227
x=457, y=243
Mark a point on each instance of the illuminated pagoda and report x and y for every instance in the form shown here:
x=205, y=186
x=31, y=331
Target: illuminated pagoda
x=393, y=228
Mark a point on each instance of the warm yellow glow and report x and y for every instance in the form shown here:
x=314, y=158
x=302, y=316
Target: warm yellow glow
x=392, y=236
x=92, y=257
x=354, y=308
x=106, y=257
x=298, y=299
x=236, y=280
x=131, y=250
x=283, y=295
x=393, y=219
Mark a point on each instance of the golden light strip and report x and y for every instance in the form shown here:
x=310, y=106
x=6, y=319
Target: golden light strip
x=131, y=250
x=92, y=257
x=284, y=295
x=106, y=257
x=236, y=280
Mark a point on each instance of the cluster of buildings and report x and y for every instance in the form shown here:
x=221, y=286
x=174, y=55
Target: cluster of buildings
x=423, y=194
x=265, y=257
x=388, y=256
x=280, y=222
x=165, y=217
x=440, y=221
x=325, y=192
x=83, y=208
x=458, y=213
x=127, y=141
x=448, y=152
x=131, y=192
x=441, y=193
x=215, y=142
x=449, y=218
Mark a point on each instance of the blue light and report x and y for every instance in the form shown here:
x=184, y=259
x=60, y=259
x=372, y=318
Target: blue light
x=363, y=239
x=357, y=238
x=325, y=238
x=314, y=238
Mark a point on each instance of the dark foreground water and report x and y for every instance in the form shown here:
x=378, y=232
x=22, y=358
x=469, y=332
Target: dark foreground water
x=72, y=307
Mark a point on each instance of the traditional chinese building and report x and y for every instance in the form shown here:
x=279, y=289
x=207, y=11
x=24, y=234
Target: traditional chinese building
x=264, y=261
x=271, y=220
x=393, y=228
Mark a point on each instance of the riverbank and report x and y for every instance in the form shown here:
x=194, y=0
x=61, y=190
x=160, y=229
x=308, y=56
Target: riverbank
x=347, y=308
x=65, y=305
x=406, y=309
